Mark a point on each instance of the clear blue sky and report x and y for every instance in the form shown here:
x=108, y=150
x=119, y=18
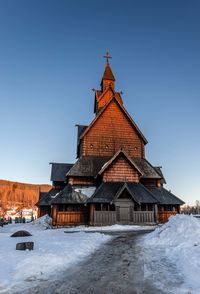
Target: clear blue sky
x=51, y=57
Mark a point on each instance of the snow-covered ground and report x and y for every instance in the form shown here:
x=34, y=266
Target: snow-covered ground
x=170, y=255
x=53, y=251
x=113, y=228
x=179, y=241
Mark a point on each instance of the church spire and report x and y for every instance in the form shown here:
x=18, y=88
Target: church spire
x=108, y=78
x=107, y=56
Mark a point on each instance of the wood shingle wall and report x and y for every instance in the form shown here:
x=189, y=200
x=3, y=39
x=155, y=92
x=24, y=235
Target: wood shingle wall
x=111, y=132
x=121, y=171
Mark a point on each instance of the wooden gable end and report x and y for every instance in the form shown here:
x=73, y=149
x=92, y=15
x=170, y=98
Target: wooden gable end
x=106, y=96
x=111, y=131
x=121, y=171
x=101, y=99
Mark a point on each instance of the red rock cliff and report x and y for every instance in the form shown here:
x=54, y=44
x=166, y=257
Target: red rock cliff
x=19, y=195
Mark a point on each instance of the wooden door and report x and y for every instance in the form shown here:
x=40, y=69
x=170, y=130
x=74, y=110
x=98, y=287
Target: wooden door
x=124, y=214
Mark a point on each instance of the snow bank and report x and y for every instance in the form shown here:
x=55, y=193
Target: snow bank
x=180, y=229
x=54, y=251
x=43, y=222
x=113, y=228
x=180, y=237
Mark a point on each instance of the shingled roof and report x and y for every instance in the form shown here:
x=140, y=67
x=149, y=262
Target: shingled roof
x=59, y=171
x=70, y=195
x=42, y=194
x=147, y=169
x=107, y=192
x=88, y=166
x=99, y=95
x=159, y=171
x=108, y=74
x=165, y=197
x=47, y=198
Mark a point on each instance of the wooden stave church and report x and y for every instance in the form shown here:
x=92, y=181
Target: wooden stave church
x=111, y=181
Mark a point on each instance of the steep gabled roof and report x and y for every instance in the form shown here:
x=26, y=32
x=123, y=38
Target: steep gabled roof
x=122, y=189
x=126, y=114
x=108, y=74
x=120, y=153
x=59, y=171
x=46, y=199
x=105, y=193
x=69, y=195
x=104, y=92
x=42, y=194
x=165, y=197
x=138, y=192
x=108, y=192
x=147, y=169
x=159, y=171
x=81, y=129
x=88, y=166
x=99, y=95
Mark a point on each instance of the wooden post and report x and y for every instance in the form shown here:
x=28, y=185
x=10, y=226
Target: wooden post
x=156, y=213
x=51, y=213
x=39, y=212
x=92, y=209
x=54, y=215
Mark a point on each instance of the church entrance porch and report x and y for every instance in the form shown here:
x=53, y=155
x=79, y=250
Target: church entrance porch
x=124, y=207
x=105, y=218
x=121, y=213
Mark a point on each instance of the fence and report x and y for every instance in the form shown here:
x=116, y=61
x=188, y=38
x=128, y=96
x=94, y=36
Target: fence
x=104, y=218
x=143, y=217
x=110, y=217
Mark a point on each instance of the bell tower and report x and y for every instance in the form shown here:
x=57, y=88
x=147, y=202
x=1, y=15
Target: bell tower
x=108, y=79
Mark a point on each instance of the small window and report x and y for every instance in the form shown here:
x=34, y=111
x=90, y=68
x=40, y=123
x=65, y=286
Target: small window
x=91, y=146
x=107, y=147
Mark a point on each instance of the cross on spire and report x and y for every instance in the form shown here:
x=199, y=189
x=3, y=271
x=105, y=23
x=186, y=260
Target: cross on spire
x=107, y=56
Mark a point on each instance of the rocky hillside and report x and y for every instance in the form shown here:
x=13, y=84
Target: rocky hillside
x=19, y=195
